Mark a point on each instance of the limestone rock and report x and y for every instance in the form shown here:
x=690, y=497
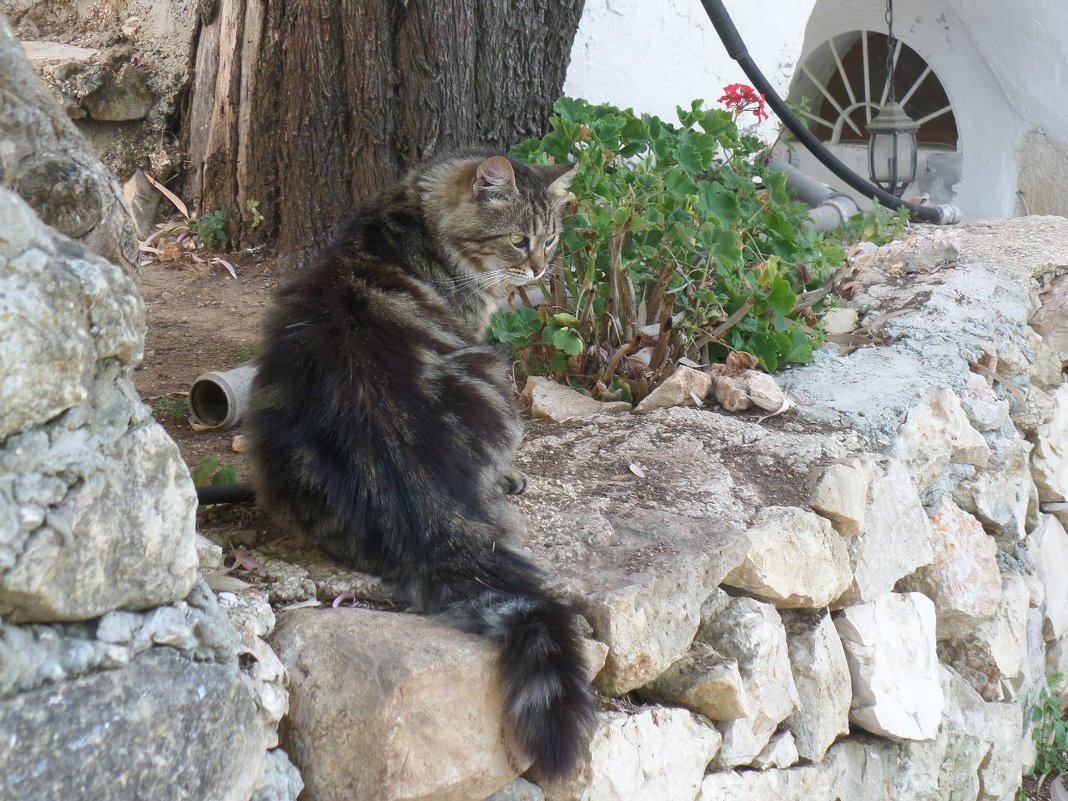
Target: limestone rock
x=518, y=790
x=51, y=166
x=999, y=771
x=752, y=633
x=1049, y=551
x=890, y=647
x=124, y=96
x=793, y=784
x=935, y=435
x=90, y=737
x=795, y=560
x=280, y=781
x=821, y=673
x=704, y=681
x=861, y=768
x=1002, y=494
x=549, y=400
x=658, y=754
x=649, y=619
x=992, y=657
x=963, y=578
x=1051, y=320
x=96, y=505
x=780, y=752
x=1049, y=462
x=948, y=765
x=419, y=702
x=985, y=410
x=841, y=494
x=684, y=387
x=895, y=539
x=143, y=200
x=839, y=320
x=118, y=529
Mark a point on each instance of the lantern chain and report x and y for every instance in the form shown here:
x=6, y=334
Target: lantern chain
x=890, y=43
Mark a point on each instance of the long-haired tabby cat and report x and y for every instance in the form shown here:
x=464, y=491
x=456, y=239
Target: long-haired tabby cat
x=383, y=425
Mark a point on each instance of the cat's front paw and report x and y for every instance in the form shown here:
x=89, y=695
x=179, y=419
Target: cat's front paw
x=513, y=482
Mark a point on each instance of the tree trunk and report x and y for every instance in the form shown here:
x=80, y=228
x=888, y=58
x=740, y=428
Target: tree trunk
x=308, y=106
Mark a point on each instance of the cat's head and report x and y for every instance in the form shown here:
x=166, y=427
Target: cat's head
x=503, y=219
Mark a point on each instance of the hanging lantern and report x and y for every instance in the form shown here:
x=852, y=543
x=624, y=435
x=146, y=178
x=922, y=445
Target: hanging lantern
x=892, y=148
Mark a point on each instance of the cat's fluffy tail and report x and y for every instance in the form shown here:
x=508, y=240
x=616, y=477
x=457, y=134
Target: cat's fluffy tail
x=544, y=674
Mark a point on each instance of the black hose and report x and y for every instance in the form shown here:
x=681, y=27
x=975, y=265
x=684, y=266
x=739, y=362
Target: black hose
x=736, y=49
x=208, y=494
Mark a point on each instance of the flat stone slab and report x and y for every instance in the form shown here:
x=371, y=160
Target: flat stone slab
x=639, y=518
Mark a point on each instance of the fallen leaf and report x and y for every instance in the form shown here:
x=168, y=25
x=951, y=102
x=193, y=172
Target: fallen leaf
x=167, y=193
x=247, y=561
x=637, y=470
x=227, y=265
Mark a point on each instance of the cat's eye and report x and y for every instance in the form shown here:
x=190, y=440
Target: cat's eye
x=520, y=241
x=550, y=241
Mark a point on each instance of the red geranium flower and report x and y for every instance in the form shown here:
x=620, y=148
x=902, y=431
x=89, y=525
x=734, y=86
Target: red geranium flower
x=740, y=98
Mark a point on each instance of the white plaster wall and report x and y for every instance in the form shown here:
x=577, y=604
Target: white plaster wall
x=655, y=55
x=936, y=32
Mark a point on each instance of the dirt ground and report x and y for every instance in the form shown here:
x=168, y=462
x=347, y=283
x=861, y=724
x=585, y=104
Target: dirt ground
x=199, y=318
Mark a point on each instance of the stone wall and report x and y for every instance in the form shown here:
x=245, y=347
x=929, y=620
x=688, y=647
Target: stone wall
x=857, y=599
x=121, y=676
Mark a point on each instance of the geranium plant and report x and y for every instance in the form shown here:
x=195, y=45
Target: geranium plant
x=683, y=246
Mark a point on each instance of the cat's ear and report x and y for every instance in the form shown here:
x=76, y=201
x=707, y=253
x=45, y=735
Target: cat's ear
x=559, y=176
x=494, y=179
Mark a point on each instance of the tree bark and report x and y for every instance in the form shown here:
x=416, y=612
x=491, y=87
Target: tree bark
x=309, y=106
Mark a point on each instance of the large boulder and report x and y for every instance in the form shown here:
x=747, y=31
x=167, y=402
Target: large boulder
x=96, y=505
x=419, y=702
x=164, y=727
x=47, y=161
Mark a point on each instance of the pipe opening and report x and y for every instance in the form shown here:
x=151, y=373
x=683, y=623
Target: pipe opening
x=209, y=402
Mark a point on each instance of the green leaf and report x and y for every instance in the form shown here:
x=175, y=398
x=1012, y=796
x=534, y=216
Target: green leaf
x=716, y=201
x=781, y=298
x=694, y=151
x=204, y=470
x=558, y=362
x=566, y=340
x=678, y=183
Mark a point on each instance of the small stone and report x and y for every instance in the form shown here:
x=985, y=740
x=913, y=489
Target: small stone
x=124, y=96
x=895, y=539
x=548, y=400
x=1051, y=319
x=890, y=647
x=1049, y=552
x=1049, y=463
x=143, y=200
x=985, y=410
x=963, y=578
x=752, y=633
x=780, y=752
x=658, y=754
x=936, y=434
x=840, y=320
x=841, y=494
x=518, y=790
x=795, y=559
x=684, y=387
x=209, y=555
x=704, y=681
x=821, y=673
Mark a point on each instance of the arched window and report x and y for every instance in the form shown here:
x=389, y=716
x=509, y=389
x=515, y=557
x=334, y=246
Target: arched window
x=843, y=83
